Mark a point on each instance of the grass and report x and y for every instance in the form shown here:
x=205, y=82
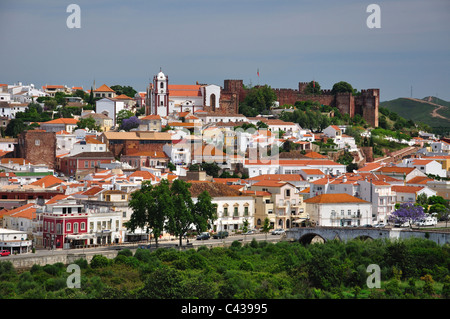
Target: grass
x=417, y=111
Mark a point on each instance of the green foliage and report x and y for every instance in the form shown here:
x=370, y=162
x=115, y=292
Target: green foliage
x=88, y=123
x=414, y=268
x=313, y=87
x=342, y=87
x=99, y=261
x=258, y=100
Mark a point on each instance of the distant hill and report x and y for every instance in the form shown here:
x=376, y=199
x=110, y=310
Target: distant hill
x=429, y=110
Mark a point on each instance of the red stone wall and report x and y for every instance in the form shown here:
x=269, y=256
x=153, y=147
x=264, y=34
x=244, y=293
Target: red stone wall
x=38, y=147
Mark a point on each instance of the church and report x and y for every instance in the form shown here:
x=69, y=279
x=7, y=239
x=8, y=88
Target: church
x=164, y=99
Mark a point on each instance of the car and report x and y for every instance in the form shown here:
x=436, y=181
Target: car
x=249, y=232
x=379, y=225
x=278, y=231
x=221, y=234
x=367, y=225
x=5, y=253
x=203, y=236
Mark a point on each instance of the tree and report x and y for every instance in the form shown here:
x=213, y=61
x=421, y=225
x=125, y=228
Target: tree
x=205, y=212
x=408, y=213
x=181, y=217
x=258, y=100
x=342, y=87
x=313, y=87
x=266, y=226
x=88, y=123
x=127, y=90
x=130, y=123
x=123, y=114
x=261, y=124
x=15, y=127
x=422, y=200
x=151, y=206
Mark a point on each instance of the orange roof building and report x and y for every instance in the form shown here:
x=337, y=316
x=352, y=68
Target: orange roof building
x=48, y=182
x=338, y=210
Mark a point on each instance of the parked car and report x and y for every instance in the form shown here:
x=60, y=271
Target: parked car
x=249, y=232
x=203, y=236
x=5, y=253
x=278, y=231
x=367, y=225
x=221, y=234
x=379, y=225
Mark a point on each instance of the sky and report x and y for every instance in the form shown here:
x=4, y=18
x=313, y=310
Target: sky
x=208, y=41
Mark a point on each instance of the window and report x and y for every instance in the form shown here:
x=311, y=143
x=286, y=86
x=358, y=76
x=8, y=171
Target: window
x=333, y=212
x=37, y=142
x=225, y=211
x=342, y=212
x=75, y=227
x=246, y=211
x=236, y=213
x=83, y=226
x=349, y=212
x=288, y=192
x=68, y=227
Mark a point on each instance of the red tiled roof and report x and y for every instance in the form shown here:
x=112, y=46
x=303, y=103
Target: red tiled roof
x=104, y=88
x=48, y=181
x=406, y=189
x=184, y=90
x=334, y=198
x=62, y=121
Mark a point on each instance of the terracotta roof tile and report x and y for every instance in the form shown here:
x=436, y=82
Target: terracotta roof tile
x=48, y=181
x=406, y=189
x=334, y=198
x=104, y=88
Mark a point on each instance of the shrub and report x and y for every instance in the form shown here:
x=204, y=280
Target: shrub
x=99, y=261
x=125, y=252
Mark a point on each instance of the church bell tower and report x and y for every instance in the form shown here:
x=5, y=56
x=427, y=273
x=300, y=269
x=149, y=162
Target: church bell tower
x=160, y=105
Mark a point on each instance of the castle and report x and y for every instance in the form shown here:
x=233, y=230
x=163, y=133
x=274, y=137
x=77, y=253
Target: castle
x=365, y=104
x=164, y=99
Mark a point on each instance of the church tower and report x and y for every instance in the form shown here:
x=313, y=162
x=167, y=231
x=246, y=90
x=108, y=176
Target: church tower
x=160, y=94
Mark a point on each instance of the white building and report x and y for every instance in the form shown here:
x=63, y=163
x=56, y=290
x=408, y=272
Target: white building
x=109, y=107
x=14, y=241
x=440, y=147
x=164, y=99
x=232, y=208
x=382, y=197
x=10, y=110
x=426, y=166
x=64, y=142
x=410, y=193
x=339, y=210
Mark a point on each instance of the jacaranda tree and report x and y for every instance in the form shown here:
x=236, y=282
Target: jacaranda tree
x=408, y=213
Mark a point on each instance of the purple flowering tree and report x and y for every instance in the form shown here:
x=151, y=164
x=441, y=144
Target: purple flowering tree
x=408, y=213
x=130, y=123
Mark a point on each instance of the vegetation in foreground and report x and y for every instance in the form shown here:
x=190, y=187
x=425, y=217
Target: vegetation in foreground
x=412, y=269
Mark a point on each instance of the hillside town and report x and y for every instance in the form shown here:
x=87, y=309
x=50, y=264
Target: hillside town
x=66, y=179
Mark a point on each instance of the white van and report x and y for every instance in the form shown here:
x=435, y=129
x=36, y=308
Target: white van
x=429, y=221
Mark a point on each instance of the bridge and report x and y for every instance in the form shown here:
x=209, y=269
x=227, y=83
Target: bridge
x=305, y=235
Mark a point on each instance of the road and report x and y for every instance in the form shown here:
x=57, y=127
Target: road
x=161, y=244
